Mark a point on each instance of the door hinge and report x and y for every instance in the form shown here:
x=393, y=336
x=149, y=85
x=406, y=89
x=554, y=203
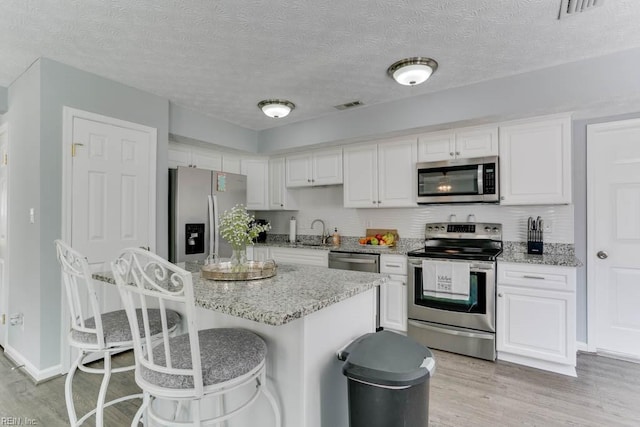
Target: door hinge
x=5, y=159
x=4, y=318
x=73, y=148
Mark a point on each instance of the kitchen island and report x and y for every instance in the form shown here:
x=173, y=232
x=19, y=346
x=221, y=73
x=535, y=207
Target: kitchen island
x=304, y=314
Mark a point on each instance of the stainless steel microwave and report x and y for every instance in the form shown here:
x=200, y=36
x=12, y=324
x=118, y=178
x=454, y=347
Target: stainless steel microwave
x=474, y=180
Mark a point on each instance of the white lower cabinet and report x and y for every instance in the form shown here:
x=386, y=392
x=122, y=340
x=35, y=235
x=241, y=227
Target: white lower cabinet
x=393, y=294
x=536, y=316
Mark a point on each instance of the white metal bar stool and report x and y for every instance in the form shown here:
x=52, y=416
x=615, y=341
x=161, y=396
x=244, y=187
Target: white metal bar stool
x=95, y=332
x=189, y=367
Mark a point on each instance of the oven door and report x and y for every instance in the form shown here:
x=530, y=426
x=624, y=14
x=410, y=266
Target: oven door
x=476, y=312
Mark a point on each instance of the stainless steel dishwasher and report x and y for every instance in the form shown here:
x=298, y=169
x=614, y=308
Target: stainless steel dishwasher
x=354, y=261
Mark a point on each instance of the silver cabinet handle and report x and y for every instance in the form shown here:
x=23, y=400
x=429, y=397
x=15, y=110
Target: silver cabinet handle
x=533, y=277
x=392, y=265
x=500, y=295
x=457, y=153
x=602, y=255
x=373, y=201
x=451, y=153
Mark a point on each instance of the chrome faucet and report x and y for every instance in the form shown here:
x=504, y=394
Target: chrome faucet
x=323, y=238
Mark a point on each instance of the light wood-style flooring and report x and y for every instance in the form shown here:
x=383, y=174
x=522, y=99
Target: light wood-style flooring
x=463, y=392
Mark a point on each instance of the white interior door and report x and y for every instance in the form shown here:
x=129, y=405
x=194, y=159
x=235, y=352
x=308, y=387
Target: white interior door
x=113, y=191
x=613, y=241
x=4, y=303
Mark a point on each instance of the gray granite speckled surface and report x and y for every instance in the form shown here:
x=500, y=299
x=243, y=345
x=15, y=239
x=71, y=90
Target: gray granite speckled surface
x=294, y=292
x=558, y=254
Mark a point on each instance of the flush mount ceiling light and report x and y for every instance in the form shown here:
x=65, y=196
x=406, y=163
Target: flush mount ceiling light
x=412, y=71
x=276, y=108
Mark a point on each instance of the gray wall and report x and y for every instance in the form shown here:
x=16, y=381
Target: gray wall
x=37, y=97
x=193, y=125
x=24, y=279
x=607, y=82
x=4, y=101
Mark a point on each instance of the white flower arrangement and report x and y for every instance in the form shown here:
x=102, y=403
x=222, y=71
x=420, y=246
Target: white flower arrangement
x=238, y=227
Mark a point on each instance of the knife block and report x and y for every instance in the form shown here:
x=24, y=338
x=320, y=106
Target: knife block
x=535, y=248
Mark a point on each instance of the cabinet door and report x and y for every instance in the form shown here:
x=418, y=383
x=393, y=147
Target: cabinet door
x=231, y=163
x=178, y=156
x=299, y=170
x=477, y=142
x=535, y=162
x=397, y=172
x=257, y=172
x=433, y=147
x=393, y=303
x=279, y=197
x=361, y=176
x=327, y=167
x=536, y=324
x=206, y=160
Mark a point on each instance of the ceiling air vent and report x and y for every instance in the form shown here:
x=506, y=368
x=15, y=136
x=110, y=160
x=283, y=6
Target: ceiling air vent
x=574, y=7
x=348, y=105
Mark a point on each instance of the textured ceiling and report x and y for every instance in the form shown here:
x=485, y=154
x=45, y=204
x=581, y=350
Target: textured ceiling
x=222, y=57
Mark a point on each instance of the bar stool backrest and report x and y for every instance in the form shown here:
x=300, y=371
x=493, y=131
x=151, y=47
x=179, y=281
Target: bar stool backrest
x=147, y=281
x=79, y=286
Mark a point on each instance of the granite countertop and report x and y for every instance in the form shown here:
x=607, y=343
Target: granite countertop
x=557, y=254
x=294, y=292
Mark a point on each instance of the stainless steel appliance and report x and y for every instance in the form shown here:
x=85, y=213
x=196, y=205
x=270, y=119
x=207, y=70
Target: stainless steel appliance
x=464, y=325
x=355, y=261
x=197, y=197
x=459, y=181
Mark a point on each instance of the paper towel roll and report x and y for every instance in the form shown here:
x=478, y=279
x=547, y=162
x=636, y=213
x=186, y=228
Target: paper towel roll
x=292, y=230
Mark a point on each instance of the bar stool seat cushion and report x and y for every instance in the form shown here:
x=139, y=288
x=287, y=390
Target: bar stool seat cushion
x=226, y=353
x=115, y=326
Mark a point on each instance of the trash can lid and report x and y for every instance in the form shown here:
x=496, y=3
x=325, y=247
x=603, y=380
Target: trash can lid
x=387, y=359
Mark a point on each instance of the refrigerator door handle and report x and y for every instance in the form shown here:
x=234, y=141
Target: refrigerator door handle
x=213, y=228
x=216, y=222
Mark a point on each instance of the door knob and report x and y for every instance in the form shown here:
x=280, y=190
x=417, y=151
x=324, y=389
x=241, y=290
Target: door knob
x=602, y=255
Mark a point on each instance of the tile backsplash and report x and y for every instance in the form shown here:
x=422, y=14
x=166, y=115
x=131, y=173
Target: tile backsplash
x=325, y=203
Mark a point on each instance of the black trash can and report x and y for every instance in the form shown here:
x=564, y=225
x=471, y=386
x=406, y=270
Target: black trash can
x=388, y=376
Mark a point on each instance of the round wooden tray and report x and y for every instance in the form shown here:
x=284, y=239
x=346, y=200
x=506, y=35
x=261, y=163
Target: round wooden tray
x=251, y=270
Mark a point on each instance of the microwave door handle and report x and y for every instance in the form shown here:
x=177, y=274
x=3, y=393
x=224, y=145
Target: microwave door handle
x=480, y=179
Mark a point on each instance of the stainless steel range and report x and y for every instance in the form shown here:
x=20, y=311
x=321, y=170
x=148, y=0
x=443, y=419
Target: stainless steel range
x=452, y=288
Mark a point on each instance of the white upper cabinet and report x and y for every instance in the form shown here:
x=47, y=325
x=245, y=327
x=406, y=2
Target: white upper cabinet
x=279, y=197
x=535, y=161
x=257, y=172
x=380, y=175
x=323, y=167
x=198, y=157
x=478, y=141
x=183, y=155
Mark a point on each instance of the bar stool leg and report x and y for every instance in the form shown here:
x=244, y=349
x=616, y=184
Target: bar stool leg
x=272, y=400
x=103, y=389
x=68, y=389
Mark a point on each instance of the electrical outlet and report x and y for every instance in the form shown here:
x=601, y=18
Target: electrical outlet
x=547, y=226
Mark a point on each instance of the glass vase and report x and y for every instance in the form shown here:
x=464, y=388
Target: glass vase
x=238, y=259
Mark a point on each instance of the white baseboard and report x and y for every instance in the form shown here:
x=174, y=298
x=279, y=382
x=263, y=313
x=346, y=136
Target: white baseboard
x=582, y=346
x=37, y=375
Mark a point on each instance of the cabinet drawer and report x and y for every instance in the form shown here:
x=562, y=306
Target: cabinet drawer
x=537, y=276
x=393, y=264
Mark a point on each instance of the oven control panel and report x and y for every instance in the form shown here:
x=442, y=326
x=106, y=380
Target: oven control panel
x=463, y=230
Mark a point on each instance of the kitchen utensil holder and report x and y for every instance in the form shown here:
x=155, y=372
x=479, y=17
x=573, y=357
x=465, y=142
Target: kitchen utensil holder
x=535, y=248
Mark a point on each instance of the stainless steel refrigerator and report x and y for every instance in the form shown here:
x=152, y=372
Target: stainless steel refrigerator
x=197, y=198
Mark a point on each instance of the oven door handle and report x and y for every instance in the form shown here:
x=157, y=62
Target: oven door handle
x=484, y=336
